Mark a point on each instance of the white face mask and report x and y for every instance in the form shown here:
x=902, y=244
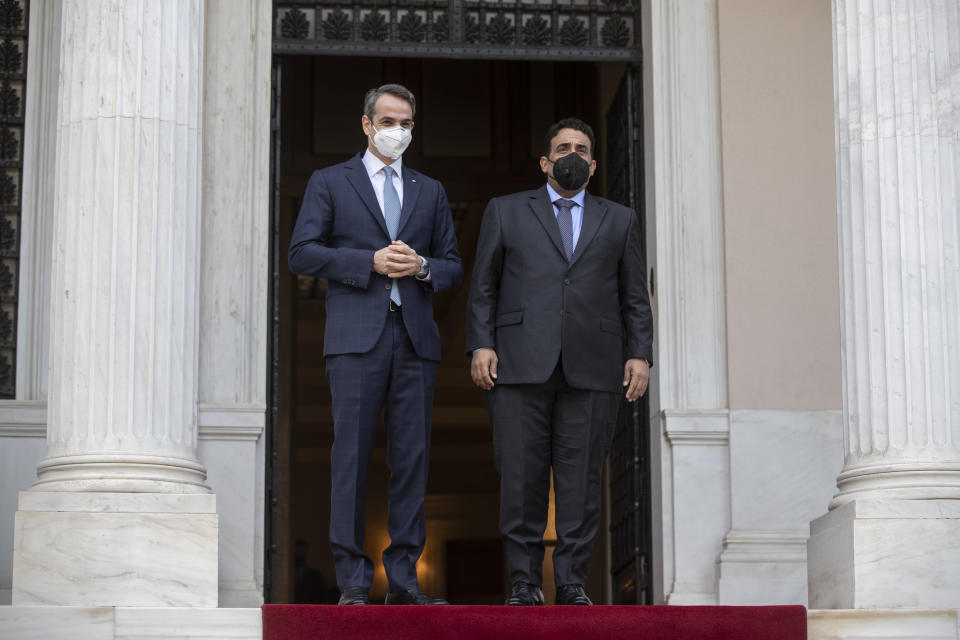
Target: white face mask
x=392, y=142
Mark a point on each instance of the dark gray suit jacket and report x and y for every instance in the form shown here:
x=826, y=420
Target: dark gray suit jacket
x=533, y=306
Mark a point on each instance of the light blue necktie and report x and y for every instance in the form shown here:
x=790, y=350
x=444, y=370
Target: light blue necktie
x=391, y=213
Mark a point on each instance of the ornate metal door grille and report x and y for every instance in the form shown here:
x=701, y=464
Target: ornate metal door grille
x=630, y=523
x=518, y=29
x=13, y=82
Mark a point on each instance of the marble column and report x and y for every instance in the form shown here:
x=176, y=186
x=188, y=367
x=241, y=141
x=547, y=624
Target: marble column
x=690, y=423
x=120, y=513
x=892, y=537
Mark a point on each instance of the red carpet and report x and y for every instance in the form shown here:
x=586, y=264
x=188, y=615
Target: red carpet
x=319, y=622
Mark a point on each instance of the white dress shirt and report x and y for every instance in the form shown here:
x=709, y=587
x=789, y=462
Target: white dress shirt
x=375, y=167
x=378, y=178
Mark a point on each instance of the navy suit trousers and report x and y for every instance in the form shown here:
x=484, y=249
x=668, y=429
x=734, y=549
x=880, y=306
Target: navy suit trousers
x=390, y=377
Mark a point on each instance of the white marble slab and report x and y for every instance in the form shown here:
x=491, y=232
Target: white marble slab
x=886, y=554
x=18, y=469
x=845, y=624
x=56, y=623
x=126, y=623
x=783, y=468
x=699, y=498
x=231, y=472
x=97, y=502
x=188, y=623
x=100, y=559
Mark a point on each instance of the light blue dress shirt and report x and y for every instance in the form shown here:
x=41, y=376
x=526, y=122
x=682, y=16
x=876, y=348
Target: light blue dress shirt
x=576, y=212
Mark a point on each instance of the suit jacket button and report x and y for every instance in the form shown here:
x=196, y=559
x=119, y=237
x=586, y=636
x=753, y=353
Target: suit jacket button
x=386, y=286
x=566, y=281
x=562, y=312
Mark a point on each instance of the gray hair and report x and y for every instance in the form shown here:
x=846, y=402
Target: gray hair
x=398, y=90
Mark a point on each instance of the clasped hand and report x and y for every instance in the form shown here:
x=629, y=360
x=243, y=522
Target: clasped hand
x=396, y=260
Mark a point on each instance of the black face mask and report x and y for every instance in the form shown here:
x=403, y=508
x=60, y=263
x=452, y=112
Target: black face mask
x=571, y=172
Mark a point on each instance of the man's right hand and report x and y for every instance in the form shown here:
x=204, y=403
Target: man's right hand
x=483, y=368
x=380, y=261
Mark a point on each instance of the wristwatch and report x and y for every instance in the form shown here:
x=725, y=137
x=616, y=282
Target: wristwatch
x=424, y=268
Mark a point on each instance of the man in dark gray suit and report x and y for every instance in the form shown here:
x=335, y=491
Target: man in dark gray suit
x=558, y=326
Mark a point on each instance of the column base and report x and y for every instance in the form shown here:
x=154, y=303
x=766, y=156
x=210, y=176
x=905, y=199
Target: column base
x=115, y=549
x=120, y=473
x=886, y=554
x=763, y=568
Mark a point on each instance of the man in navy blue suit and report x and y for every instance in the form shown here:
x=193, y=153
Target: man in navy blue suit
x=382, y=236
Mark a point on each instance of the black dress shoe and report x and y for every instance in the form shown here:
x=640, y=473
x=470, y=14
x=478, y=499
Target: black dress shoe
x=525, y=594
x=354, y=595
x=572, y=594
x=412, y=596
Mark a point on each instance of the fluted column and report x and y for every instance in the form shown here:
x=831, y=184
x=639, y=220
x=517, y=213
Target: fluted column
x=123, y=366
x=898, y=165
x=897, y=75
x=120, y=512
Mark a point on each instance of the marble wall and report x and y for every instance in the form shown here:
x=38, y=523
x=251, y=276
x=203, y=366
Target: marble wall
x=233, y=286
x=234, y=283
x=688, y=385
x=745, y=396
x=783, y=465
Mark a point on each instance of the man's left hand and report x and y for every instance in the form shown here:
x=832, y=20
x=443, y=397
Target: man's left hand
x=636, y=375
x=402, y=260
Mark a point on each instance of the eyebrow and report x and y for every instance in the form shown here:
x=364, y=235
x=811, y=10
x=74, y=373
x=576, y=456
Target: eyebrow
x=392, y=119
x=579, y=147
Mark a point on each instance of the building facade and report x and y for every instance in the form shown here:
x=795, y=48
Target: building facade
x=799, y=186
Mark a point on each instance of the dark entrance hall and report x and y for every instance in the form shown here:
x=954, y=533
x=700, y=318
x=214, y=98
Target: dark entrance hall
x=479, y=130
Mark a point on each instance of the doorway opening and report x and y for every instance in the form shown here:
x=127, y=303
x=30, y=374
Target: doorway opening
x=479, y=131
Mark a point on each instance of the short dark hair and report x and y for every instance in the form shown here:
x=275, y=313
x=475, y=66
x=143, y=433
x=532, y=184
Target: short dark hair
x=569, y=123
x=398, y=90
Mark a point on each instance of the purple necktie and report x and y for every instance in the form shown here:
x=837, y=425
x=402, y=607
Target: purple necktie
x=565, y=220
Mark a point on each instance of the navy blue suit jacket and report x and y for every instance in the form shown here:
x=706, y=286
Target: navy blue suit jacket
x=341, y=226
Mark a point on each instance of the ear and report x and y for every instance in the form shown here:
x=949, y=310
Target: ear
x=544, y=163
x=366, y=125
x=593, y=167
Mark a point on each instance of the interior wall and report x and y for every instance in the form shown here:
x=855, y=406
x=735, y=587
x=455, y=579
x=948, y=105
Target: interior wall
x=783, y=332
